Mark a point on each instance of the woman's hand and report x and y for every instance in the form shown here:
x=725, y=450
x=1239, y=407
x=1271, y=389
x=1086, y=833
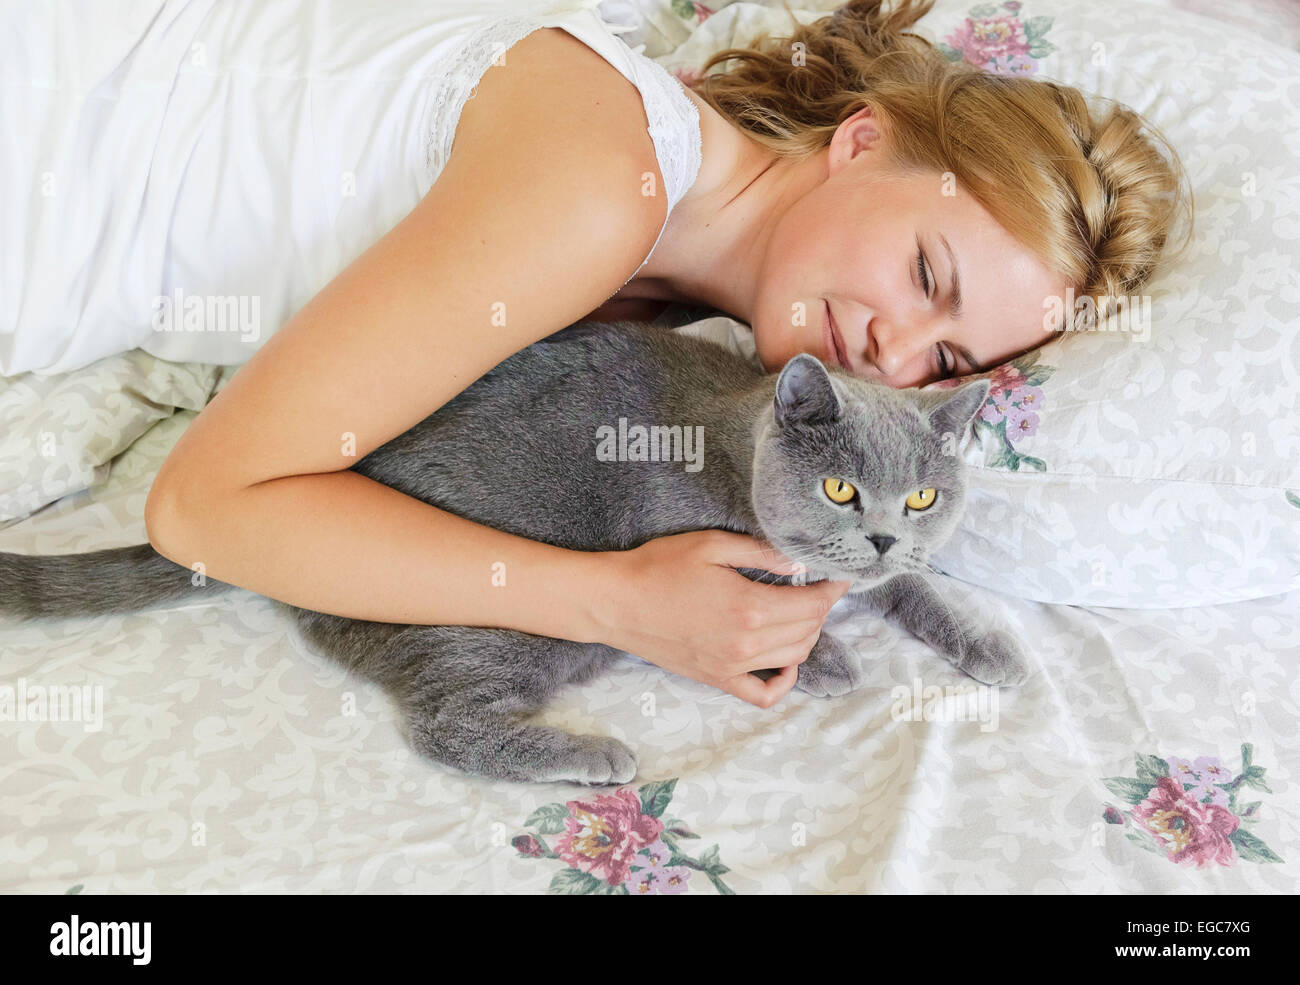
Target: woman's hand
x=677, y=602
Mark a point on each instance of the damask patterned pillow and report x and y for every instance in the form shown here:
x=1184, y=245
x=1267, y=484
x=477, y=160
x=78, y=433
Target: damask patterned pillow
x=60, y=433
x=661, y=27
x=1158, y=466
x=1156, y=461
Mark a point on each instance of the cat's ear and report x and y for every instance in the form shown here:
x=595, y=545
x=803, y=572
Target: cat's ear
x=954, y=414
x=804, y=393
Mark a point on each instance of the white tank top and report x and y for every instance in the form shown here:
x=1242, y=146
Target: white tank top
x=185, y=175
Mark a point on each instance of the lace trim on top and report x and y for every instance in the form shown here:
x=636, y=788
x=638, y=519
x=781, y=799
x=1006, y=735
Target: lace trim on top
x=674, y=121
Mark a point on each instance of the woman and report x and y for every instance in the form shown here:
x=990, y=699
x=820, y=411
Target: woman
x=863, y=199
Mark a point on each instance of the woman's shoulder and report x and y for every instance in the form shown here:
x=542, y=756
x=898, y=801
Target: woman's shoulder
x=550, y=74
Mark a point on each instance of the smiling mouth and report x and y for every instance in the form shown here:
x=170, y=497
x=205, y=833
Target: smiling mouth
x=836, y=347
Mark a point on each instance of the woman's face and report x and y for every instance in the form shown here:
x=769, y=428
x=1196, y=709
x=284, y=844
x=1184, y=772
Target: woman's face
x=851, y=247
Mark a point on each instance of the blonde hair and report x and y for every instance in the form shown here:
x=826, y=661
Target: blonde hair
x=1087, y=193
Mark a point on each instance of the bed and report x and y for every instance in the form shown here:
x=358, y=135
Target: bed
x=208, y=749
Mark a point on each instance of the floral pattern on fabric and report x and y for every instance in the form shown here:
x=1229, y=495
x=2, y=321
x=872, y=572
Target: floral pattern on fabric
x=689, y=10
x=995, y=39
x=1012, y=410
x=1011, y=413
x=619, y=844
x=1188, y=810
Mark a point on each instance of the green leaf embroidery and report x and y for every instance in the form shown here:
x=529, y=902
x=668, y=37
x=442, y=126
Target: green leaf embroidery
x=1128, y=789
x=722, y=888
x=1254, y=778
x=1036, y=27
x=1151, y=768
x=1251, y=848
x=949, y=52
x=677, y=858
x=1036, y=463
x=546, y=849
x=709, y=859
x=1293, y=499
x=1247, y=751
x=655, y=796
x=1145, y=841
x=571, y=882
x=1041, y=49
x=684, y=8
x=549, y=820
x=74, y=890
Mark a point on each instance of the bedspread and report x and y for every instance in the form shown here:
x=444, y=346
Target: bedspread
x=1152, y=750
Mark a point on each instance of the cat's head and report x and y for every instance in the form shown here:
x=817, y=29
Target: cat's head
x=856, y=480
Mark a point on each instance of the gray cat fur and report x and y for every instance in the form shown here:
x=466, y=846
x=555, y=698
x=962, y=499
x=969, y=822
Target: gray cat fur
x=517, y=451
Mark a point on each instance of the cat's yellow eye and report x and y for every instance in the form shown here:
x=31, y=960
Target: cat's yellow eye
x=922, y=499
x=838, y=490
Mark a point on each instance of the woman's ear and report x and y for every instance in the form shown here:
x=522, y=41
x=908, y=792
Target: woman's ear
x=862, y=133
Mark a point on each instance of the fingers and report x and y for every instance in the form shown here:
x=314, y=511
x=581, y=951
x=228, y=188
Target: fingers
x=764, y=694
x=807, y=600
x=774, y=605
x=781, y=645
x=744, y=551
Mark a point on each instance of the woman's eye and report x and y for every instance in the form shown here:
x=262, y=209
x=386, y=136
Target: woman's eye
x=945, y=367
x=920, y=269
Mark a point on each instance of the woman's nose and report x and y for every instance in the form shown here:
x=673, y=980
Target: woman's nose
x=893, y=348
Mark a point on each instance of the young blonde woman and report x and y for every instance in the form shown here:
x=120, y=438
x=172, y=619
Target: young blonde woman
x=868, y=202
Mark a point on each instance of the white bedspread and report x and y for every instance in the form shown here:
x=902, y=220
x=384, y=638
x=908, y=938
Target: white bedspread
x=231, y=758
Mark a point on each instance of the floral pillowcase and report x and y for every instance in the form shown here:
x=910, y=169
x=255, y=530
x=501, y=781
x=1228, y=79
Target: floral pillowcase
x=1153, y=461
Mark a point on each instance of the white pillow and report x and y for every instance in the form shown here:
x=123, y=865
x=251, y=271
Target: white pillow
x=1161, y=471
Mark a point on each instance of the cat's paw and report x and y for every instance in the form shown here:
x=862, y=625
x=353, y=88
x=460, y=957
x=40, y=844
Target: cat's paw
x=996, y=659
x=593, y=759
x=832, y=669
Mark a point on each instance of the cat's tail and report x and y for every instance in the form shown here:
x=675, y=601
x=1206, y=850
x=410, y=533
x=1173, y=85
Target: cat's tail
x=119, y=579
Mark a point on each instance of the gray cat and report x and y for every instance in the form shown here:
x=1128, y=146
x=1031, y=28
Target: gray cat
x=561, y=443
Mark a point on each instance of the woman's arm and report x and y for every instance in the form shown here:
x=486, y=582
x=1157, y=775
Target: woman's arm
x=535, y=221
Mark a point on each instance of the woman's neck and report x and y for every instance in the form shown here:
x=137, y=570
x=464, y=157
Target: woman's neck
x=711, y=249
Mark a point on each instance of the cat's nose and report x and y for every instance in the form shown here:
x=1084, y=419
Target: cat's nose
x=882, y=543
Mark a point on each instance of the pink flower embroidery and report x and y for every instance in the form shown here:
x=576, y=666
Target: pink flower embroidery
x=528, y=845
x=604, y=834
x=1004, y=378
x=1191, y=833
x=618, y=845
x=982, y=41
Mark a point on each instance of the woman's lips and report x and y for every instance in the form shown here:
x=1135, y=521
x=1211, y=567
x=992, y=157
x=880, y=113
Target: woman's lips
x=834, y=343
